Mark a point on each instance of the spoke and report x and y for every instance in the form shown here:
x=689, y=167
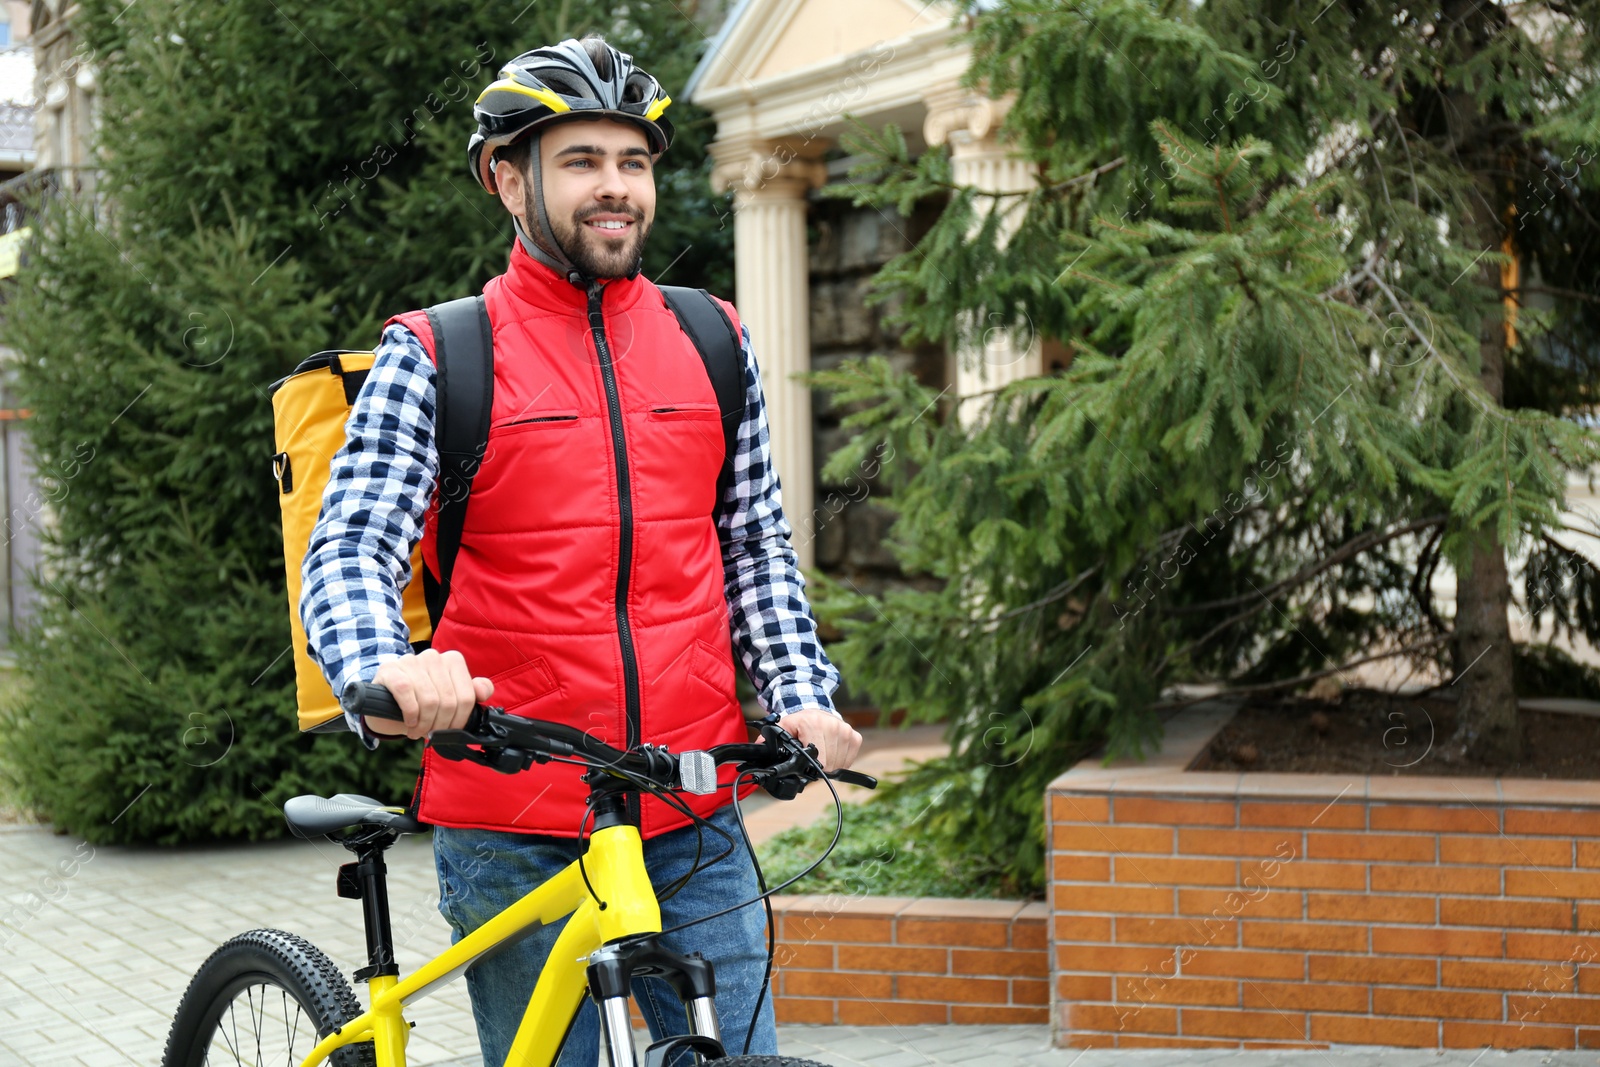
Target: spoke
x=235, y=1046
x=256, y=1020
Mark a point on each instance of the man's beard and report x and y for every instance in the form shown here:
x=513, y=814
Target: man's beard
x=596, y=256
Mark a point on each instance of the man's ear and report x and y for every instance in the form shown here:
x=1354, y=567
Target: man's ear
x=508, y=183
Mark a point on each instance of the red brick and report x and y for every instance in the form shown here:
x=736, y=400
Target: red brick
x=795, y=1010
x=1545, y=978
x=1190, y=932
x=1333, y=936
x=1429, y=878
x=1504, y=1035
x=1077, y=1039
x=1222, y=962
x=1234, y=903
x=996, y=1015
x=1069, y=927
x=1435, y=1003
x=1542, y=946
x=834, y=984
x=1010, y=962
x=952, y=990
x=1142, y=989
x=1302, y=875
x=1162, y=812
x=1371, y=846
x=1083, y=986
x=1146, y=870
x=890, y=1013
x=1030, y=991
x=1106, y=1017
x=1369, y=907
x=1203, y=1021
x=806, y=956
x=967, y=932
x=1074, y=808
x=1305, y=996
x=1096, y=958
x=1433, y=941
x=1322, y=816
x=835, y=928
x=1433, y=817
x=1558, y=822
x=1071, y=867
x=892, y=960
x=1029, y=934
x=1123, y=899
x=1582, y=885
x=1372, y=969
x=1365, y=1030
x=1505, y=851
x=1540, y=914
x=1551, y=1008
x=1071, y=837
x=1588, y=977
x=1277, y=843
x=1587, y=854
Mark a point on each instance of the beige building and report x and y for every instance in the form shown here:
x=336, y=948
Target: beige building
x=783, y=79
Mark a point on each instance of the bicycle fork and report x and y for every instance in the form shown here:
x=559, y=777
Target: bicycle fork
x=611, y=971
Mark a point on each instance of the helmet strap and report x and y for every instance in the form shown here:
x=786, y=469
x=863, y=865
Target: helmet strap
x=545, y=248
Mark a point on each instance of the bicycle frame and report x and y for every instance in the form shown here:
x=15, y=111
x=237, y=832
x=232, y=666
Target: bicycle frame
x=615, y=866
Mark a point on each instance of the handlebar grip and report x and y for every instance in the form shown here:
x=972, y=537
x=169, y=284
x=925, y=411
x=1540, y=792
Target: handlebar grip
x=865, y=781
x=368, y=698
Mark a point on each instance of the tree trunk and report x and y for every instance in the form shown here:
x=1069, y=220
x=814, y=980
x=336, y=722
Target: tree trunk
x=1487, y=726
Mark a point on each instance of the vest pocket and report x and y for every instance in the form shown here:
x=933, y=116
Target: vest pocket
x=528, y=682
x=543, y=420
x=712, y=668
x=674, y=412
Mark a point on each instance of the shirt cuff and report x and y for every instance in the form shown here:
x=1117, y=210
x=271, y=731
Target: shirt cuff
x=791, y=697
x=361, y=669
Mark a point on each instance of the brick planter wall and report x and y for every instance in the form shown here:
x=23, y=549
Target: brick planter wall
x=879, y=961
x=1295, y=910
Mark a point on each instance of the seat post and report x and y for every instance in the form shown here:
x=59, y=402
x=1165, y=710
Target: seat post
x=367, y=880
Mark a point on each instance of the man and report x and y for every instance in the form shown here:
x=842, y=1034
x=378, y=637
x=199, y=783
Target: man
x=599, y=574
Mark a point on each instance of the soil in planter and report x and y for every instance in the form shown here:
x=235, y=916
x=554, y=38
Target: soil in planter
x=1367, y=732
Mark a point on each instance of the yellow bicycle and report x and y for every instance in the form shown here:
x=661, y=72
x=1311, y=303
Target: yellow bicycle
x=269, y=997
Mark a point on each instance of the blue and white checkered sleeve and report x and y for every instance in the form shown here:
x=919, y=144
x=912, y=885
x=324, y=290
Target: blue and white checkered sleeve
x=380, y=482
x=773, y=628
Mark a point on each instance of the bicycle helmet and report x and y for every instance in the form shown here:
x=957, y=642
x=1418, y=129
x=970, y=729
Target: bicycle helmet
x=555, y=84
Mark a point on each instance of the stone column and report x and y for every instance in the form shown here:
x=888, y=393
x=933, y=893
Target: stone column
x=770, y=180
x=969, y=122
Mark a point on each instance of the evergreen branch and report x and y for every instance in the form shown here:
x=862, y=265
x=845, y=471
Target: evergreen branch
x=1291, y=683
x=1060, y=592
x=1354, y=546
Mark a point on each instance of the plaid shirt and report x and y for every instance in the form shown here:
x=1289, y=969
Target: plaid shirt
x=381, y=480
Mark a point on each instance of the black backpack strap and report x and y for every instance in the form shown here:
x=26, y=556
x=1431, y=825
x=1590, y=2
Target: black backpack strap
x=709, y=327
x=463, y=344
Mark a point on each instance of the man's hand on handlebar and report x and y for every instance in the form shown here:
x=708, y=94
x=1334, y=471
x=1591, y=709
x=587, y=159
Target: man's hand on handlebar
x=434, y=690
x=836, y=740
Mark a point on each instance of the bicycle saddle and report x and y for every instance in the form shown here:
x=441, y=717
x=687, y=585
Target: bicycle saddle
x=313, y=816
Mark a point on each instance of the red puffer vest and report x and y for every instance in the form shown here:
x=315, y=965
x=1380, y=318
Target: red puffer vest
x=589, y=584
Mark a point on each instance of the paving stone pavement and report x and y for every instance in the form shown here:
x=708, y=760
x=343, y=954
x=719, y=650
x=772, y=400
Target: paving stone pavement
x=98, y=943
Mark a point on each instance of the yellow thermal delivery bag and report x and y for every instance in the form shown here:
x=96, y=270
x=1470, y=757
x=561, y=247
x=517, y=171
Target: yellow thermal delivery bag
x=309, y=411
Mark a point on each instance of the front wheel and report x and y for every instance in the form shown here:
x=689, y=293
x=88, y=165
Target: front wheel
x=265, y=997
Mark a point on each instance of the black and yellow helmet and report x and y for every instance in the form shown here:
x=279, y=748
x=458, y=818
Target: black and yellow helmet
x=560, y=82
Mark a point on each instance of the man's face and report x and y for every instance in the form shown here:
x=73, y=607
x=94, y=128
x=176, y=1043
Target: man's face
x=599, y=191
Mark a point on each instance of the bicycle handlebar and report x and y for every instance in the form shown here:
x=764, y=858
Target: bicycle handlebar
x=511, y=743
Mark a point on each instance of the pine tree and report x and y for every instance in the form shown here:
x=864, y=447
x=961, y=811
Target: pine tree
x=279, y=178
x=1280, y=239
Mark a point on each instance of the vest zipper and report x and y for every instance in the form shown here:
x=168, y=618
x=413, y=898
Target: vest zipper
x=630, y=666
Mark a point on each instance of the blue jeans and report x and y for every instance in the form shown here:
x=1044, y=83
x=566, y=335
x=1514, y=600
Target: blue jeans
x=482, y=872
